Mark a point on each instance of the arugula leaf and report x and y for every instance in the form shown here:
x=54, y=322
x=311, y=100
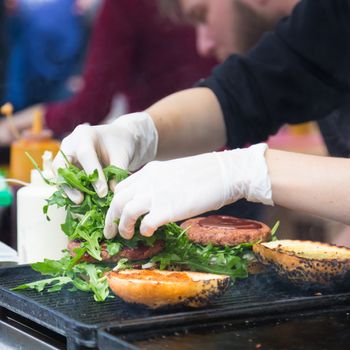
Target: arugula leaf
x=97, y=281
x=36, y=166
x=179, y=250
x=84, y=276
x=274, y=231
x=118, y=174
x=69, y=226
x=113, y=248
x=56, y=282
x=51, y=267
x=79, y=252
x=73, y=180
x=122, y=264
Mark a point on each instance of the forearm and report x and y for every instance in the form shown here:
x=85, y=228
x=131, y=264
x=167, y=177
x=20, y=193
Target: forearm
x=188, y=122
x=313, y=184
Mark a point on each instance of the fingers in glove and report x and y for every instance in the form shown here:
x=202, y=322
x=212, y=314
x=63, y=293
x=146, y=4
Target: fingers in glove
x=74, y=195
x=114, y=213
x=152, y=221
x=59, y=162
x=89, y=161
x=112, y=183
x=118, y=158
x=127, y=183
x=130, y=213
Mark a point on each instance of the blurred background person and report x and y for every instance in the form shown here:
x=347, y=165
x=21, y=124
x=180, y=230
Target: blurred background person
x=45, y=43
x=133, y=52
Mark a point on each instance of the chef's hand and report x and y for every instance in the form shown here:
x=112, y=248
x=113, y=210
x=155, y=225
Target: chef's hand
x=129, y=142
x=181, y=188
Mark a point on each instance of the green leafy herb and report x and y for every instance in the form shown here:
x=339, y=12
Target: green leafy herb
x=95, y=282
x=56, y=284
x=122, y=264
x=113, y=248
x=116, y=173
x=179, y=250
x=84, y=276
x=36, y=166
x=274, y=231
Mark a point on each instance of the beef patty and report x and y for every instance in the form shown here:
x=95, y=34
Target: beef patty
x=138, y=253
x=225, y=230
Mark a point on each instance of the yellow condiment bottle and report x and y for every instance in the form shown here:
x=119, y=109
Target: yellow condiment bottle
x=35, y=141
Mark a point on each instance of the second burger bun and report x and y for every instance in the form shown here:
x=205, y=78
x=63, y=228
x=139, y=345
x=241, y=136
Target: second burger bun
x=157, y=288
x=223, y=230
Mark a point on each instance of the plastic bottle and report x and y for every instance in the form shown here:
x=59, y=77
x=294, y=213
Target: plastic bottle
x=38, y=238
x=35, y=142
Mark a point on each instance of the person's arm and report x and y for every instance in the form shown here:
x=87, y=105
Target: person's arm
x=188, y=122
x=181, y=188
x=288, y=77
x=312, y=184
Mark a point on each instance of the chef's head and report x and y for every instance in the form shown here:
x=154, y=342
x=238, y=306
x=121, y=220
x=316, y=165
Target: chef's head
x=229, y=26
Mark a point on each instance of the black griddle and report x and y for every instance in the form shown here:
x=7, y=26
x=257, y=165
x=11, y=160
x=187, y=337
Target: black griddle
x=309, y=330
x=76, y=317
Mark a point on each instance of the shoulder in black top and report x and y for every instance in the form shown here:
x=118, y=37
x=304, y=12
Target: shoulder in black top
x=299, y=72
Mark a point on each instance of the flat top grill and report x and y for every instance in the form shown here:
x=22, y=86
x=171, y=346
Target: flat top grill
x=77, y=316
x=316, y=330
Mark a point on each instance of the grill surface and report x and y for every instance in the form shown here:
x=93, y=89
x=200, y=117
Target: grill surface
x=78, y=317
x=313, y=330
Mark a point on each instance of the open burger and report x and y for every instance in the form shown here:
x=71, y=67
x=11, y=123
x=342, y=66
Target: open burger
x=217, y=245
x=195, y=260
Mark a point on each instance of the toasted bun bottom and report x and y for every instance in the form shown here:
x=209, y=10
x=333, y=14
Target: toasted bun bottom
x=155, y=288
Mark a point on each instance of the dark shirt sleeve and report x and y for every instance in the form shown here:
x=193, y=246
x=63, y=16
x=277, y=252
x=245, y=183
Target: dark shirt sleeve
x=299, y=72
x=106, y=71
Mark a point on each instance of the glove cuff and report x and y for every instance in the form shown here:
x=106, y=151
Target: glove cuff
x=245, y=174
x=258, y=189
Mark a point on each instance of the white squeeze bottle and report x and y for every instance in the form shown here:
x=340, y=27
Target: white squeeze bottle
x=38, y=238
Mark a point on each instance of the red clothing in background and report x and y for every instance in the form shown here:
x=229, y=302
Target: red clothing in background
x=135, y=52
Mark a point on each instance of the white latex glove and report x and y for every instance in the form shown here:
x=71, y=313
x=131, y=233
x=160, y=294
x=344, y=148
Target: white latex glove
x=181, y=188
x=129, y=142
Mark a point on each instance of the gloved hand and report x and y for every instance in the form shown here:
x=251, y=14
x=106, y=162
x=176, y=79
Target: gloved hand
x=181, y=188
x=129, y=142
